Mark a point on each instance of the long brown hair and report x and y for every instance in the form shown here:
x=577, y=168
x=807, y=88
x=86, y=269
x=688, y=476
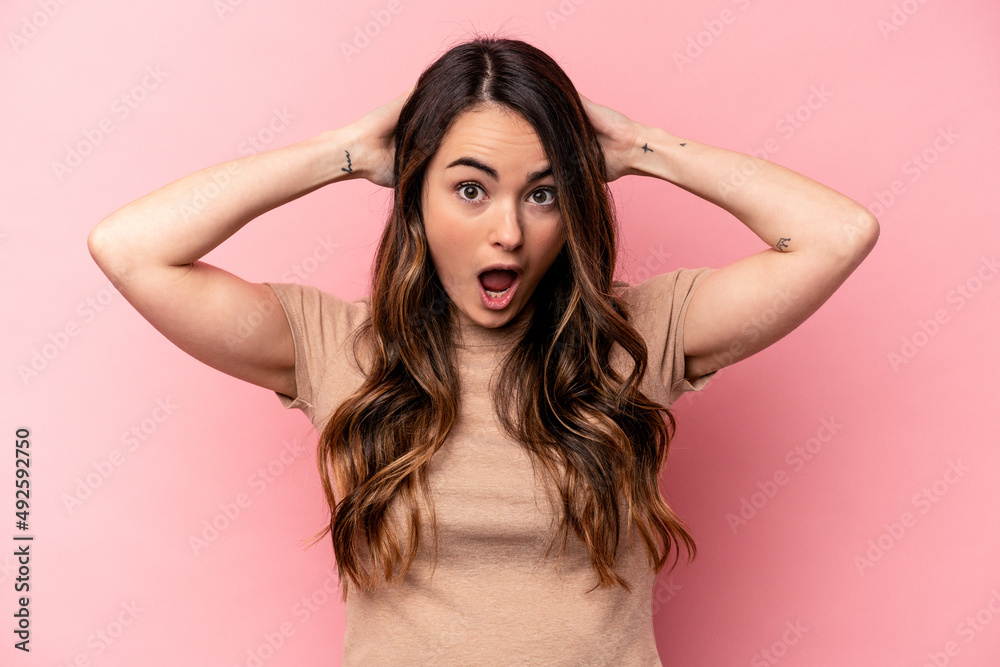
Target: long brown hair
x=601, y=441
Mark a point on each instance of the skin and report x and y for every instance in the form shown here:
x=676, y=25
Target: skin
x=151, y=248
x=473, y=220
x=817, y=237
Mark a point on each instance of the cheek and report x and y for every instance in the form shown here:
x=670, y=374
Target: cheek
x=444, y=240
x=438, y=251
x=551, y=243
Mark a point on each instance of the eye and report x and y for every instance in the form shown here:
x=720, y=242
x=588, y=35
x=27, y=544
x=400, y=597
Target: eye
x=543, y=196
x=468, y=192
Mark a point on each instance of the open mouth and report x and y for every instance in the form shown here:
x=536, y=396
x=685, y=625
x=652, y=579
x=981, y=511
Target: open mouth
x=497, y=287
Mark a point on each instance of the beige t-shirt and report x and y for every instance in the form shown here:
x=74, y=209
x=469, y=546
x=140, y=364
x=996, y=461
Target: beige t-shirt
x=492, y=599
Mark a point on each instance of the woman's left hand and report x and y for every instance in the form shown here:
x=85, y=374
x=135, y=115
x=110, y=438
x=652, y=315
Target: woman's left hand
x=618, y=135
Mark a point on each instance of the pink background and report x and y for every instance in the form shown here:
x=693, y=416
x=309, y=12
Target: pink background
x=874, y=547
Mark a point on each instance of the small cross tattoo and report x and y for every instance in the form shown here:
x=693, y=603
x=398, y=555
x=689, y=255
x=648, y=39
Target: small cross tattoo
x=646, y=148
x=683, y=144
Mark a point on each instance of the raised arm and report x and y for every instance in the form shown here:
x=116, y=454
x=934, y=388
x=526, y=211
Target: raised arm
x=817, y=237
x=151, y=248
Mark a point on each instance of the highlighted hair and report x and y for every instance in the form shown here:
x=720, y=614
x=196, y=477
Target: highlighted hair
x=600, y=441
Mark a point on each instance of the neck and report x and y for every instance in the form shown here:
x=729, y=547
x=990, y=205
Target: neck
x=470, y=334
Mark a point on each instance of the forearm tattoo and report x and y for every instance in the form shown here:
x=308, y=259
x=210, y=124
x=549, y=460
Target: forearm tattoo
x=782, y=244
x=646, y=149
x=348, y=167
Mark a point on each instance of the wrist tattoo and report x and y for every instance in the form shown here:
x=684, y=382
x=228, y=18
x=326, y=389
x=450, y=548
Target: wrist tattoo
x=348, y=168
x=684, y=144
x=782, y=244
x=646, y=149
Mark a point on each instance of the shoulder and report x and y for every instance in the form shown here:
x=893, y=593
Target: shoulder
x=323, y=326
x=322, y=323
x=657, y=309
x=660, y=295
x=308, y=304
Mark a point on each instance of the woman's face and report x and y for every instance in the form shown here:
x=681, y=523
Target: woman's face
x=489, y=201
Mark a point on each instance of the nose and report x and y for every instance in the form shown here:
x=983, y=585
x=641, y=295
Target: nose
x=505, y=229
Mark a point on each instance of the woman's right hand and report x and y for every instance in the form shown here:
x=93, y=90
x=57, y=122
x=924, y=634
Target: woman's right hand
x=375, y=132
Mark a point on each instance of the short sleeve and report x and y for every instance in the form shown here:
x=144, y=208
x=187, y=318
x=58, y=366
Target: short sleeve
x=656, y=308
x=321, y=325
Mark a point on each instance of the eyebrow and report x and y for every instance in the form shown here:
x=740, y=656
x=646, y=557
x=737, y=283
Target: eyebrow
x=492, y=173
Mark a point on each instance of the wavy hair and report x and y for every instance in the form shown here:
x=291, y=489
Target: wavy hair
x=601, y=441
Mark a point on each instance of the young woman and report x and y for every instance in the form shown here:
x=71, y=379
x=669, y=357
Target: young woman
x=497, y=394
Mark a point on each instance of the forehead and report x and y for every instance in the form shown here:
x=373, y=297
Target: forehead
x=496, y=133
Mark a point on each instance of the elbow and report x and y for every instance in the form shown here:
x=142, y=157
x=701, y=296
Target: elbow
x=860, y=234
x=97, y=244
x=868, y=231
x=101, y=242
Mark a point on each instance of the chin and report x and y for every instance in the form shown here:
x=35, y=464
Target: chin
x=492, y=319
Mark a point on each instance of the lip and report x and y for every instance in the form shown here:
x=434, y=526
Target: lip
x=499, y=304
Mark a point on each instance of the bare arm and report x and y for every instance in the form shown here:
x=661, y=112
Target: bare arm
x=151, y=248
x=817, y=237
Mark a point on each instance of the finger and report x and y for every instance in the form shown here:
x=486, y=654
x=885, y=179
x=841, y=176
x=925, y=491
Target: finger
x=594, y=111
